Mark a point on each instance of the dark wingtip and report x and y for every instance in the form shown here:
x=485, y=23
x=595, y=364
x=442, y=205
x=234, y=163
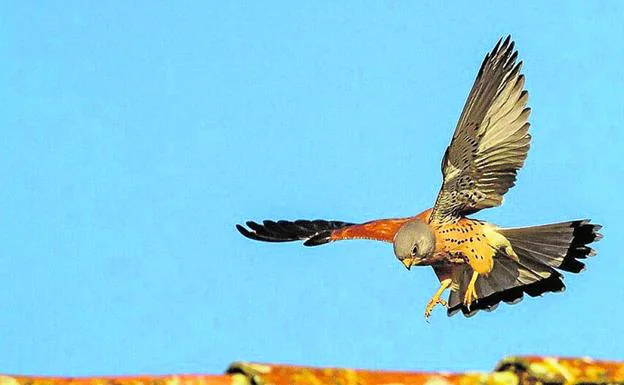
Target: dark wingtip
x=252, y=234
x=243, y=230
x=502, y=44
x=313, y=233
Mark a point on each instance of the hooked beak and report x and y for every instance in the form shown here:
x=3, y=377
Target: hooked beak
x=407, y=262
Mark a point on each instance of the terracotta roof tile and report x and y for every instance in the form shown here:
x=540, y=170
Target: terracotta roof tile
x=562, y=370
x=510, y=371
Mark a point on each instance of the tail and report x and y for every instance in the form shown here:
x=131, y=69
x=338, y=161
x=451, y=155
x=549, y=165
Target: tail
x=541, y=250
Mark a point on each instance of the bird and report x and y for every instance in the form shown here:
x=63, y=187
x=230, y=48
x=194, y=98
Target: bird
x=479, y=263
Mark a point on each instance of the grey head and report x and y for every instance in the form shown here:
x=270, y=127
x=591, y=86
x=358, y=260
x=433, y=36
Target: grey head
x=414, y=243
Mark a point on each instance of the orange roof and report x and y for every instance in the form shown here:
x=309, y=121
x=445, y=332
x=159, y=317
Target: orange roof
x=510, y=371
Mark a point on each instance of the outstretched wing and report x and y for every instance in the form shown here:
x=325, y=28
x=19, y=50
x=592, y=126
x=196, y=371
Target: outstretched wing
x=491, y=139
x=319, y=232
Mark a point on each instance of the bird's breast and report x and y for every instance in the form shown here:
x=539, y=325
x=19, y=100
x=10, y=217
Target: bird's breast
x=468, y=238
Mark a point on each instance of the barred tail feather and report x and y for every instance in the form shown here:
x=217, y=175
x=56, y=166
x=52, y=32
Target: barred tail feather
x=541, y=250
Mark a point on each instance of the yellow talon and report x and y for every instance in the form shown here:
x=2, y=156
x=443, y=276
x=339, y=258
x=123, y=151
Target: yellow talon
x=436, y=298
x=471, y=291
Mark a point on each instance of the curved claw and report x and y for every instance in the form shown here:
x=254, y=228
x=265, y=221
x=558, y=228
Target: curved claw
x=436, y=299
x=431, y=305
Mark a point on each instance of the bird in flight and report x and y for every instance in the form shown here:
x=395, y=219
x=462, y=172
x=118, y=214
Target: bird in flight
x=480, y=263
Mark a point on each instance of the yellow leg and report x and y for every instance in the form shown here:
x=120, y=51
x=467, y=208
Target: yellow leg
x=436, y=297
x=471, y=291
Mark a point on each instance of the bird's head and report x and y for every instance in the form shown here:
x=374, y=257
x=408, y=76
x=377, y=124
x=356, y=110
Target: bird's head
x=414, y=243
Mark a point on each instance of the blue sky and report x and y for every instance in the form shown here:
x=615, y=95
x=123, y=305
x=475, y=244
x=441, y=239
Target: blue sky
x=134, y=137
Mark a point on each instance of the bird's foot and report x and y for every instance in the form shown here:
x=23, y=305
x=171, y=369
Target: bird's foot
x=471, y=292
x=432, y=304
x=436, y=298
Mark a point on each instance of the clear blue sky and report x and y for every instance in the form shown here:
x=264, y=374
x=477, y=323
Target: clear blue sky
x=134, y=137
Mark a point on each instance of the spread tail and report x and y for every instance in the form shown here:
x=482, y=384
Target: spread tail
x=541, y=251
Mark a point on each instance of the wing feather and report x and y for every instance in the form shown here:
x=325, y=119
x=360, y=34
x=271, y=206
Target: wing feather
x=491, y=140
x=319, y=232
x=313, y=233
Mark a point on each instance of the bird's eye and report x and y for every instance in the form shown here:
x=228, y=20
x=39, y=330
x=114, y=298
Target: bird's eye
x=415, y=250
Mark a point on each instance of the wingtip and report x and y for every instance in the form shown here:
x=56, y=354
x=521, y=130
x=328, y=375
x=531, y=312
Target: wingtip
x=497, y=46
x=243, y=231
x=595, y=228
x=253, y=225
